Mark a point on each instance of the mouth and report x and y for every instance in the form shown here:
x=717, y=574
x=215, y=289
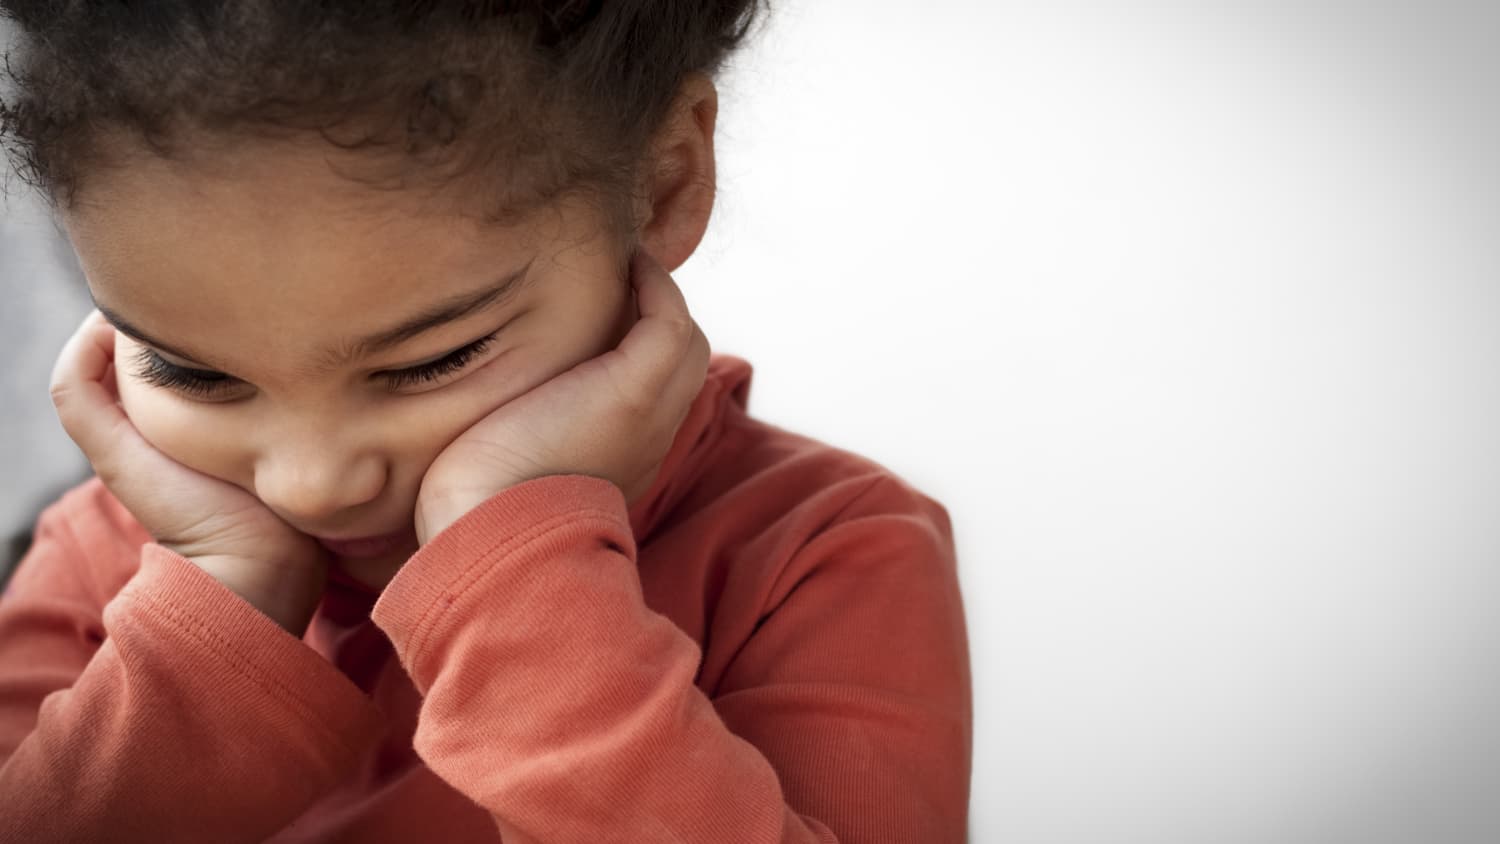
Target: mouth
x=369, y=546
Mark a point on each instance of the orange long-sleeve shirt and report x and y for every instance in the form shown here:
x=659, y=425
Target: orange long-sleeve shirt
x=770, y=646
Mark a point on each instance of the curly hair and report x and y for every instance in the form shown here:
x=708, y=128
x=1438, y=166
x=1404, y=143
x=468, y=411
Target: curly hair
x=525, y=99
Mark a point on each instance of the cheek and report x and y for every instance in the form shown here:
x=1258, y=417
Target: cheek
x=176, y=428
x=534, y=356
x=538, y=349
x=450, y=412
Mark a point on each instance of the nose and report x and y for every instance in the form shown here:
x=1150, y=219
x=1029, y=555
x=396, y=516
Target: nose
x=313, y=485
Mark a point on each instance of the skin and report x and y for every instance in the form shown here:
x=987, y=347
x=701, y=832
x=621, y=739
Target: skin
x=263, y=264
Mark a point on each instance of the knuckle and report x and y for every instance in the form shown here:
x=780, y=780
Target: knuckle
x=636, y=403
x=683, y=328
x=700, y=341
x=633, y=401
x=61, y=391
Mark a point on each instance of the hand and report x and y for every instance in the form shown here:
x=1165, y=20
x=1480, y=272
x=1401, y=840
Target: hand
x=223, y=529
x=612, y=417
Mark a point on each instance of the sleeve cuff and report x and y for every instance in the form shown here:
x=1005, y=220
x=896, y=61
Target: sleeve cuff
x=244, y=640
x=416, y=598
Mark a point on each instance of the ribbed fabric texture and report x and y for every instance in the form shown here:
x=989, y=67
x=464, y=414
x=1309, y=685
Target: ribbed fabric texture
x=769, y=646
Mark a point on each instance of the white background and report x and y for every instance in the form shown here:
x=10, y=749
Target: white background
x=1190, y=315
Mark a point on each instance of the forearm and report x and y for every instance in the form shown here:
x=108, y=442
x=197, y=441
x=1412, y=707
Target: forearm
x=197, y=719
x=289, y=596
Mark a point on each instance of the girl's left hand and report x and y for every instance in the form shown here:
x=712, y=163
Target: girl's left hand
x=612, y=417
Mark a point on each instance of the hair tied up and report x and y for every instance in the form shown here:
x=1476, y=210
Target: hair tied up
x=511, y=103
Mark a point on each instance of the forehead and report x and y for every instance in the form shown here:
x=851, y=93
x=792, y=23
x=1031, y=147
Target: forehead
x=278, y=236
x=281, y=214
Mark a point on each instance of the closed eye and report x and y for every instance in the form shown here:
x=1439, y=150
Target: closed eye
x=434, y=370
x=206, y=384
x=198, y=383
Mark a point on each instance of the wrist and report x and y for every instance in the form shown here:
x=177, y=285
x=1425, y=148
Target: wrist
x=434, y=516
x=287, y=597
x=435, y=511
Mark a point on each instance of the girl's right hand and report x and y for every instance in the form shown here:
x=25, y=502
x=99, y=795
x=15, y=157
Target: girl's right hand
x=220, y=527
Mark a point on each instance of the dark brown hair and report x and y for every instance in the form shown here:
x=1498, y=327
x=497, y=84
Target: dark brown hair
x=530, y=98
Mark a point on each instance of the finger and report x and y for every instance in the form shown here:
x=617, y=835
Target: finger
x=83, y=403
x=86, y=402
x=657, y=295
x=666, y=339
x=690, y=361
x=693, y=370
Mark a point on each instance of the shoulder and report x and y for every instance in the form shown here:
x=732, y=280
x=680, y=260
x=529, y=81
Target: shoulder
x=787, y=547
x=754, y=457
x=813, y=475
x=92, y=509
x=772, y=492
x=89, y=530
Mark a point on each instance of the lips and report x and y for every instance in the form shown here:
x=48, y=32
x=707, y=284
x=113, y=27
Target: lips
x=369, y=546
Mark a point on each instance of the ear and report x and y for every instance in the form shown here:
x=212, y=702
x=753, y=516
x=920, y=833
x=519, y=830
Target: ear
x=677, y=192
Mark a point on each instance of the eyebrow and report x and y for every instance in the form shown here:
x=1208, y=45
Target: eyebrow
x=442, y=313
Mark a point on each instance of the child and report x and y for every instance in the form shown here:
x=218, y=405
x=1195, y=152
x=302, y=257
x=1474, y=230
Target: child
x=423, y=511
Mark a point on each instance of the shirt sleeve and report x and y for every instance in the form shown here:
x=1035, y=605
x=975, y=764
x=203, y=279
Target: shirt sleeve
x=175, y=712
x=557, y=700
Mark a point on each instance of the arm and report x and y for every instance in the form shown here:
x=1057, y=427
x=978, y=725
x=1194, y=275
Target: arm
x=175, y=712
x=556, y=699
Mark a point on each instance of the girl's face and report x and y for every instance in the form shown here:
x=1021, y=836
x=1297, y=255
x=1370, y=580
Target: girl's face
x=318, y=343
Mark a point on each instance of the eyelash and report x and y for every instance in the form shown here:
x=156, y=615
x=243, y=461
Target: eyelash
x=202, y=383
x=451, y=362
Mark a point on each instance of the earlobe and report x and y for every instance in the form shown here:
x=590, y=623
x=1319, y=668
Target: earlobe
x=681, y=185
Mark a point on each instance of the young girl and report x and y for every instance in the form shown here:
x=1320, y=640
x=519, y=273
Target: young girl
x=423, y=511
